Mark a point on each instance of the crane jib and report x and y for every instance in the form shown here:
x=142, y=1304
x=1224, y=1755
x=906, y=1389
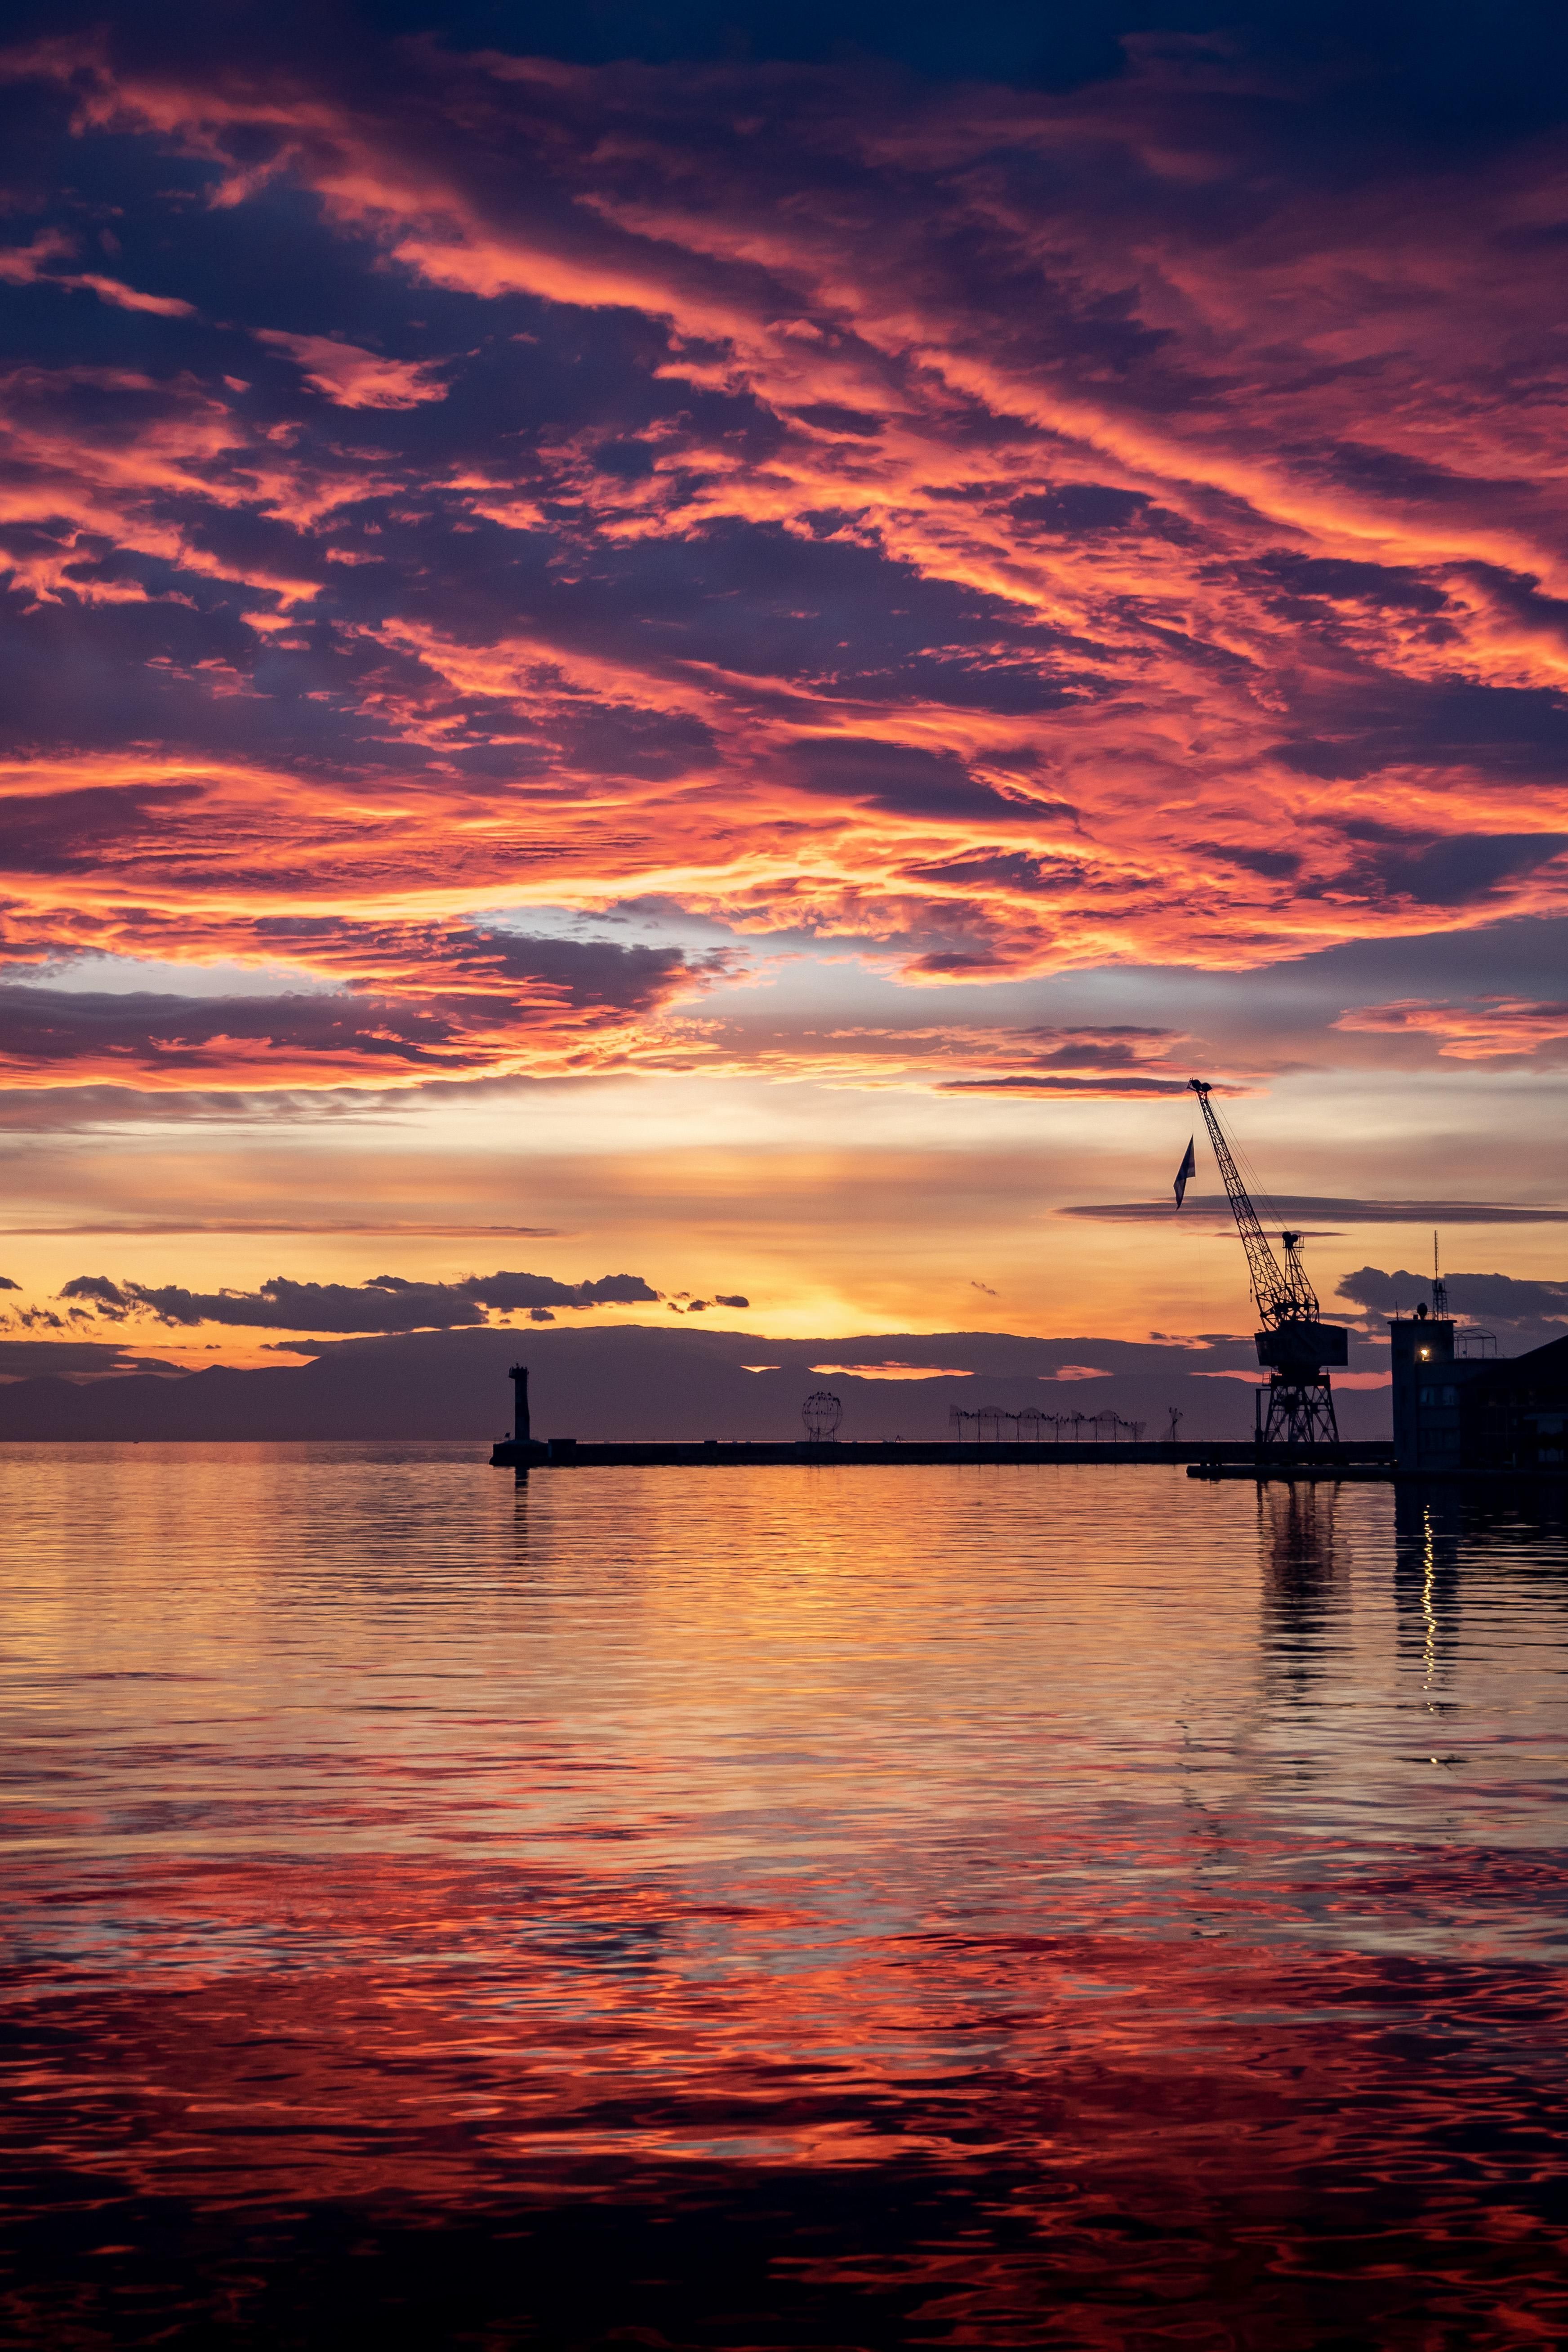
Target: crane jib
x=1295, y=1342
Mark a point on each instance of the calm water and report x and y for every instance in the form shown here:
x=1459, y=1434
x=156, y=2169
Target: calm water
x=787, y=1908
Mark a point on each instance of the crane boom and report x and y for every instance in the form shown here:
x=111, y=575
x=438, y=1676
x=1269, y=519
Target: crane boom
x=1282, y=1296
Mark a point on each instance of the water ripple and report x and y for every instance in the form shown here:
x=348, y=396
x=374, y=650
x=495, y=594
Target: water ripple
x=815, y=1908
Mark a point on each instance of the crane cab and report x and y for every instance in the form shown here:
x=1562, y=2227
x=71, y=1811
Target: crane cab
x=1290, y=1347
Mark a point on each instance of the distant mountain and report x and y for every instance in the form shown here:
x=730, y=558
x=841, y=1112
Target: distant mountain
x=649, y=1381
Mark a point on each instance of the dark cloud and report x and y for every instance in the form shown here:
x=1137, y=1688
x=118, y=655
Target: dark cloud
x=1274, y=864
x=58, y=833
x=56, y=1027
x=1110, y=1059
x=1388, y=587
x=495, y=983
x=902, y=779
x=1497, y=1300
x=386, y=1303
x=73, y=1360
x=505, y=1293
x=107, y=1296
x=723, y=1299
x=1081, y=509
x=1113, y=1046
x=1518, y=732
x=1397, y=473
x=1004, y=869
x=1390, y=73
x=1453, y=870
x=834, y=419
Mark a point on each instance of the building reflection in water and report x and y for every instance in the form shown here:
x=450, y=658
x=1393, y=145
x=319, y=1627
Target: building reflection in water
x=1442, y=1528
x=1429, y=1528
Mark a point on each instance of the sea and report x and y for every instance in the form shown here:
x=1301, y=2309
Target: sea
x=978, y=1905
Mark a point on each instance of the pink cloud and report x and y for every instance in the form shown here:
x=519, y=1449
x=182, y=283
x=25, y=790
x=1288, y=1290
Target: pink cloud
x=37, y=263
x=352, y=378
x=128, y=297
x=23, y=264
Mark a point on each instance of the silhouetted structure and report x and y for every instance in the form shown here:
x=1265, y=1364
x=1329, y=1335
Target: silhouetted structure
x=1295, y=1343
x=1454, y=1410
x=1028, y=1426
x=821, y=1415
x=1110, y=1440
x=522, y=1447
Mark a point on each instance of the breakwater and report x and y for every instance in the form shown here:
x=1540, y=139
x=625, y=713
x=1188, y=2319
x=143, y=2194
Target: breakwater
x=759, y=1453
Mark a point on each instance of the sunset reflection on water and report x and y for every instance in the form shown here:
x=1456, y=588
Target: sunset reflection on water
x=794, y=1907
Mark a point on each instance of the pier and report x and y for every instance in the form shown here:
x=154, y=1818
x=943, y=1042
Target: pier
x=1203, y=1458
x=1374, y=1457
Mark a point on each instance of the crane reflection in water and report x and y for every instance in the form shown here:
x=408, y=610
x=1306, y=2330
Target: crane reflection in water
x=1306, y=1583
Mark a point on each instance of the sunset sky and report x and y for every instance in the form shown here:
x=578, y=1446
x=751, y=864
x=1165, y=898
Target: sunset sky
x=702, y=662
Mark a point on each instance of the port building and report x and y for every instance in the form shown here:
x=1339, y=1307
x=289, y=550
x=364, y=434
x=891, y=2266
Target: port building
x=1465, y=1408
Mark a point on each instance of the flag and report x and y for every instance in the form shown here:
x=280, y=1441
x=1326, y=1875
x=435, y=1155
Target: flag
x=1189, y=1168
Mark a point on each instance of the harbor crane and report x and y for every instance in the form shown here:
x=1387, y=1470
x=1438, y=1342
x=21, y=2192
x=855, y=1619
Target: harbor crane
x=1295, y=1345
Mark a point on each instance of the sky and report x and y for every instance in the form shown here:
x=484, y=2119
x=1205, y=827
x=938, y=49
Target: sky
x=685, y=665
